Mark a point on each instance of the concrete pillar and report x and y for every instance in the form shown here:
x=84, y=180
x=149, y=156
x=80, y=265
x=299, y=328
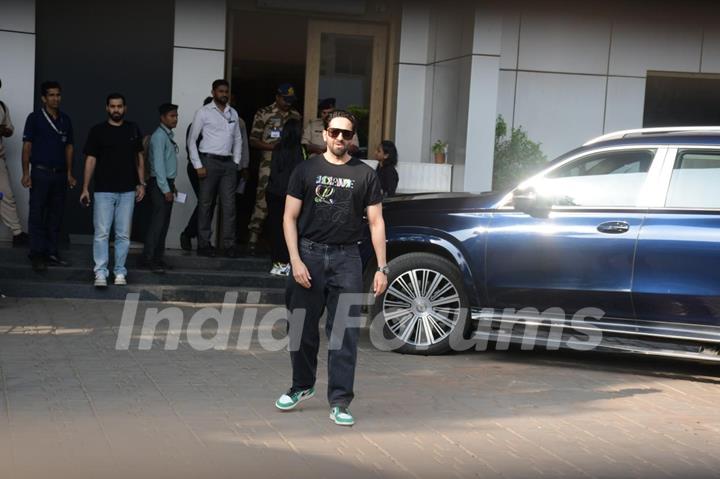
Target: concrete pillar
x=414, y=80
x=482, y=104
x=17, y=58
x=198, y=60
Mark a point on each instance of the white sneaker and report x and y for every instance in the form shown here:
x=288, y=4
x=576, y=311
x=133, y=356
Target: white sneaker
x=275, y=269
x=120, y=280
x=284, y=270
x=100, y=281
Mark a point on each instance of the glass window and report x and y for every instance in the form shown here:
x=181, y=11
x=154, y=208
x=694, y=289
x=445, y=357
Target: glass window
x=346, y=75
x=695, y=180
x=608, y=179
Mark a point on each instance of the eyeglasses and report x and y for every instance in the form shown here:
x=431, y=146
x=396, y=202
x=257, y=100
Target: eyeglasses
x=335, y=132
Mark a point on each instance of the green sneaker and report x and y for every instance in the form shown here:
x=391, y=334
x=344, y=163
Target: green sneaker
x=341, y=416
x=288, y=401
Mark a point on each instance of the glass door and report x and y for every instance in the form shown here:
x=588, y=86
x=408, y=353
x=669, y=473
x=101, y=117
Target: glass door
x=346, y=61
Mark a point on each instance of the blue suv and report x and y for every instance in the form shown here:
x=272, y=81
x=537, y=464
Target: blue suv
x=617, y=242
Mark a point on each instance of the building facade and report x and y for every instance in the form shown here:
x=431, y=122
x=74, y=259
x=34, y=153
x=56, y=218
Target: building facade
x=415, y=72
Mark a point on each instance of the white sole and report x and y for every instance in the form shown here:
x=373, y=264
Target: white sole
x=341, y=423
x=305, y=398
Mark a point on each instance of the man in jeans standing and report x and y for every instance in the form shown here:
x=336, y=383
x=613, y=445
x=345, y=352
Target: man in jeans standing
x=323, y=224
x=48, y=147
x=161, y=188
x=114, y=155
x=217, y=161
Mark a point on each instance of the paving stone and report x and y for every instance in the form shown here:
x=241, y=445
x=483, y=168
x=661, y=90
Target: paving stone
x=71, y=405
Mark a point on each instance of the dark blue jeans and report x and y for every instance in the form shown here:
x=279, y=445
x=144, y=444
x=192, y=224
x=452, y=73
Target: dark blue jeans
x=47, y=203
x=334, y=269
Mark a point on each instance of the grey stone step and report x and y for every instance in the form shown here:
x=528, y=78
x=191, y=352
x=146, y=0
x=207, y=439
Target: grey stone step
x=230, y=278
x=147, y=292
x=81, y=256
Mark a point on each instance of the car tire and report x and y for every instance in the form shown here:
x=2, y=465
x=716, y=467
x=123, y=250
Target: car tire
x=439, y=305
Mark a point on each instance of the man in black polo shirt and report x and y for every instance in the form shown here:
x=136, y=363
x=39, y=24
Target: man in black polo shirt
x=48, y=147
x=323, y=224
x=114, y=152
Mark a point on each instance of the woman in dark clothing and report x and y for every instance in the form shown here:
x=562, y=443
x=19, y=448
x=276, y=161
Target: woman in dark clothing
x=285, y=157
x=387, y=157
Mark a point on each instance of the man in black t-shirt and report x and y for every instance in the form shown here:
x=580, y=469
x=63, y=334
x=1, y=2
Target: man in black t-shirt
x=114, y=155
x=323, y=224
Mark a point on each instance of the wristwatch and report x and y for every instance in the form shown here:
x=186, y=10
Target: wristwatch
x=385, y=270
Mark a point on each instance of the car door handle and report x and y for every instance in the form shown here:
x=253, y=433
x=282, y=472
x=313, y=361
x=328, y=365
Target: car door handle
x=614, y=227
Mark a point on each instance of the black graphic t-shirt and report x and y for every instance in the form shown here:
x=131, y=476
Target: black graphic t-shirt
x=334, y=198
x=116, y=149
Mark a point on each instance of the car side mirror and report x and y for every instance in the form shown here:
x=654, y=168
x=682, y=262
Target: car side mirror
x=531, y=203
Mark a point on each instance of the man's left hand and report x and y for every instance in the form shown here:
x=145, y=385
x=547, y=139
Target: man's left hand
x=71, y=181
x=139, y=193
x=379, y=283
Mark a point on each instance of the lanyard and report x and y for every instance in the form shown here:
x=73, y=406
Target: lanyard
x=61, y=133
x=229, y=120
x=177, y=149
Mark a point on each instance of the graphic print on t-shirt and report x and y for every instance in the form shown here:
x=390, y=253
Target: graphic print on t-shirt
x=333, y=197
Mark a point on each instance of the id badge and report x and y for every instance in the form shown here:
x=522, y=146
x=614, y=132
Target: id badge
x=275, y=134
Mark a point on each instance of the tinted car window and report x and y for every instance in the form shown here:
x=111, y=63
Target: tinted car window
x=613, y=178
x=695, y=181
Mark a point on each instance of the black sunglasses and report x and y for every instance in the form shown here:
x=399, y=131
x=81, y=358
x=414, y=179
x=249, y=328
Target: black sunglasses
x=335, y=132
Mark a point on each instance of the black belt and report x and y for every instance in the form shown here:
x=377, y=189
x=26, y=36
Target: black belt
x=323, y=246
x=51, y=170
x=217, y=157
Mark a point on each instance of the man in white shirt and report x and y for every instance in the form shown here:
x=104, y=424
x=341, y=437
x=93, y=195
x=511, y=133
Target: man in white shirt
x=217, y=160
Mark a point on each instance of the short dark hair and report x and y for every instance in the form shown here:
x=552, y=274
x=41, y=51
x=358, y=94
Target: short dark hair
x=220, y=82
x=48, y=85
x=115, y=96
x=340, y=114
x=166, y=108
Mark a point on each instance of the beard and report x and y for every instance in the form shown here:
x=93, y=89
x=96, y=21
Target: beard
x=222, y=100
x=338, y=151
x=116, y=116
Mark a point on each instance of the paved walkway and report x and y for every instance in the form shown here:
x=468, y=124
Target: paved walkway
x=71, y=405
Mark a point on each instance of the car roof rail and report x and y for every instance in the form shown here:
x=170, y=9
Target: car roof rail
x=618, y=135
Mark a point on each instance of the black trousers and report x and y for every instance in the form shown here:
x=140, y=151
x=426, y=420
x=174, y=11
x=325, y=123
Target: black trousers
x=221, y=180
x=192, y=227
x=276, y=209
x=47, y=204
x=159, y=221
x=334, y=270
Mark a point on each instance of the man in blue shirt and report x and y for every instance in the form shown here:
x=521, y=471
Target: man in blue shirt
x=163, y=169
x=48, y=147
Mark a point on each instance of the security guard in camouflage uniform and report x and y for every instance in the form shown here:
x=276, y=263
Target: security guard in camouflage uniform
x=312, y=138
x=266, y=128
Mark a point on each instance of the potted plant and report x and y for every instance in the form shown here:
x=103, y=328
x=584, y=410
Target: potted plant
x=439, y=149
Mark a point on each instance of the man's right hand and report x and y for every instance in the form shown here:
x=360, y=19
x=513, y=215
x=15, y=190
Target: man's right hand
x=300, y=273
x=169, y=196
x=26, y=181
x=201, y=172
x=85, y=198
